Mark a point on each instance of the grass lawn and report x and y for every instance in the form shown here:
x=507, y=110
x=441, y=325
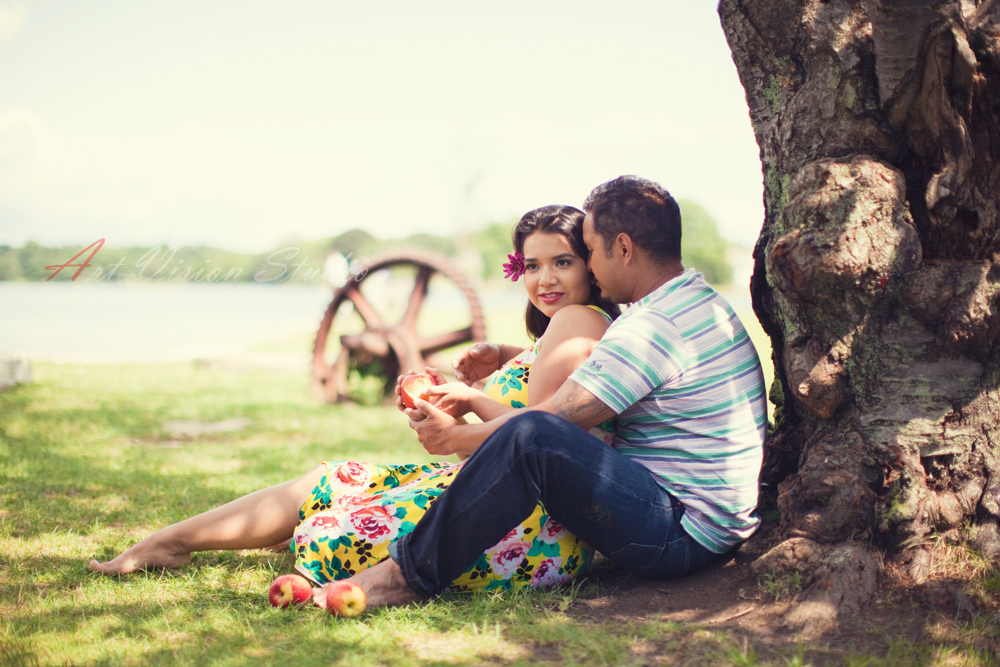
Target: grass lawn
x=86, y=469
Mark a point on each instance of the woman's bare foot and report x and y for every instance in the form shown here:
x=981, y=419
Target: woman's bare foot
x=146, y=555
x=383, y=584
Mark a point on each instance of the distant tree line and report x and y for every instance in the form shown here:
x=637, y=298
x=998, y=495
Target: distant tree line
x=702, y=248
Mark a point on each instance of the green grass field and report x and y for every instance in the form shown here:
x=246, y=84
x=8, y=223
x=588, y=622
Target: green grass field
x=86, y=470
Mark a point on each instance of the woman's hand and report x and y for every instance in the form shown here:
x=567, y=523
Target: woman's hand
x=477, y=362
x=454, y=398
x=415, y=414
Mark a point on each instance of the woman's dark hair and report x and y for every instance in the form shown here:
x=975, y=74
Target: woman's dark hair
x=567, y=222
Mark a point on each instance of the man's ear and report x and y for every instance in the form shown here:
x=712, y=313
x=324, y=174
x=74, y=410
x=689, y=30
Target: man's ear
x=625, y=246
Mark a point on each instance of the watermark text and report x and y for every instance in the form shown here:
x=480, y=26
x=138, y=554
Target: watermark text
x=159, y=265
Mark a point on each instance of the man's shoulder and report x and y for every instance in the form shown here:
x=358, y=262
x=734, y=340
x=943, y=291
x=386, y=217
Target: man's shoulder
x=684, y=298
x=685, y=292
x=643, y=322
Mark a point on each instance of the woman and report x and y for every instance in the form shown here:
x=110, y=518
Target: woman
x=353, y=511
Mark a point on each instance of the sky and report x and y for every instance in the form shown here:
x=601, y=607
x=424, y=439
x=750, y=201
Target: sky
x=243, y=125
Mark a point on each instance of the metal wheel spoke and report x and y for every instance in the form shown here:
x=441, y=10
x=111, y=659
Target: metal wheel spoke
x=413, y=306
x=433, y=344
x=393, y=348
x=368, y=342
x=365, y=309
x=337, y=389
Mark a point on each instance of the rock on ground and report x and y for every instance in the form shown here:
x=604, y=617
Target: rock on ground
x=14, y=369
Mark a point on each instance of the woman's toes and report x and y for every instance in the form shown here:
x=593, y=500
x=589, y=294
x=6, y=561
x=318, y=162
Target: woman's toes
x=319, y=595
x=109, y=568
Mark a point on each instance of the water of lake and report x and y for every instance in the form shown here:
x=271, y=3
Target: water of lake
x=150, y=322
x=155, y=322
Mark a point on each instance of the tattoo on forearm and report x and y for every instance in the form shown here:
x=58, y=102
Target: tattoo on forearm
x=575, y=404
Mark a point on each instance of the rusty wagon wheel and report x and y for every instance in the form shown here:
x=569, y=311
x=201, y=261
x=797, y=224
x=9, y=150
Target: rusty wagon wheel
x=374, y=318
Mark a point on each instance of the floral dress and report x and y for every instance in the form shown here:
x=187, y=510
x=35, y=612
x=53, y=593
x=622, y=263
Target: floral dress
x=358, y=509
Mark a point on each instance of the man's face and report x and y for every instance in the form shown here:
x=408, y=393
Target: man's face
x=600, y=264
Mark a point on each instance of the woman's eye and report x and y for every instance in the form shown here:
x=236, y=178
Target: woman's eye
x=530, y=267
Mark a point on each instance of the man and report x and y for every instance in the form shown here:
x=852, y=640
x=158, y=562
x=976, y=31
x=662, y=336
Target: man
x=677, y=371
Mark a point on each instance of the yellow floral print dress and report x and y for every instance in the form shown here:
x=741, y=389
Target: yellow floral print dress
x=358, y=509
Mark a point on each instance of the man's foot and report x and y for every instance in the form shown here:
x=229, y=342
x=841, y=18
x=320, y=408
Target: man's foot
x=383, y=584
x=146, y=555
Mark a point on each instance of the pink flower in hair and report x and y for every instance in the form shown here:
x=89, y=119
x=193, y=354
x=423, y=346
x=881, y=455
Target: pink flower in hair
x=515, y=267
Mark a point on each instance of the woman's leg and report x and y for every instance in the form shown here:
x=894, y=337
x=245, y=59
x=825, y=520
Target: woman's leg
x=341, y=541
x=254, y=521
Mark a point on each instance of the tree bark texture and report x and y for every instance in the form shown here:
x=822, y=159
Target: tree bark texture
x=877, y=271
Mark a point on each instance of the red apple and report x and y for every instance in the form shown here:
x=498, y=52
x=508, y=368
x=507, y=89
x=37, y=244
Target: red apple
x=288, y=590
x=414, y=387
x=345, y=599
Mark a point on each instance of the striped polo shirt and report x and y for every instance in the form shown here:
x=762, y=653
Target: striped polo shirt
x=681, y=373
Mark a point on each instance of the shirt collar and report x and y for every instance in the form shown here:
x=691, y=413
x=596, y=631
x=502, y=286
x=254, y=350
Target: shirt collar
x=656, y=294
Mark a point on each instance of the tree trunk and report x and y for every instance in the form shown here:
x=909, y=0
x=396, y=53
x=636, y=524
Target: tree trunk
x=877, y=271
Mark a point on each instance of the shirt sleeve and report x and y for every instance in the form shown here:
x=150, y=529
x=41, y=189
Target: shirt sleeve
x=637, y=354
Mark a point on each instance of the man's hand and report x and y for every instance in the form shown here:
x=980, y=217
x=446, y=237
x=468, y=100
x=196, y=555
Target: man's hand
x=435, y=429
x=477, y=362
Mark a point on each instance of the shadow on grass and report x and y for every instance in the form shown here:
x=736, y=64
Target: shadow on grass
x=69, y=467
x=189, y=634
x=203, y=624
x=78, y=468
x=207, y=614
x=61, y=492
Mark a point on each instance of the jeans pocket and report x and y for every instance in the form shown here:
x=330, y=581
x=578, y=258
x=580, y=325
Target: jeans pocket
x=638, y=558
x=677, y=556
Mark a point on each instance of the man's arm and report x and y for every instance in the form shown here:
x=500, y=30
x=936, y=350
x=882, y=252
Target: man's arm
x=575, y=404
x=441, y=435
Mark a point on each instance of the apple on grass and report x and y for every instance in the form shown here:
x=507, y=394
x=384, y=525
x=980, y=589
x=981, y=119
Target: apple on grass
x=288, y=590
x=345, y=599
x=415, y=386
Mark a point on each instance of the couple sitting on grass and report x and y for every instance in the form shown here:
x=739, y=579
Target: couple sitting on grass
x=642, y=436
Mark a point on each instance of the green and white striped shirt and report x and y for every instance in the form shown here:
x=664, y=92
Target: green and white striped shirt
x=681, y=373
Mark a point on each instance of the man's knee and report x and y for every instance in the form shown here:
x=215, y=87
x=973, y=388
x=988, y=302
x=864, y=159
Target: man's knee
x=539, y=430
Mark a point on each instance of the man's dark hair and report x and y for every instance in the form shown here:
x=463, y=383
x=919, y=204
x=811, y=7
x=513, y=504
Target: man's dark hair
x=642, y=209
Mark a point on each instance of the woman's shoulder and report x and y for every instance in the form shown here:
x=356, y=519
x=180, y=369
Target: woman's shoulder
x=581, y=319
x=597, y=309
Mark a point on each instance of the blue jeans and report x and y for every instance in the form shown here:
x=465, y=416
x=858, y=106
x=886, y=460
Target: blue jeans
x=606, y=499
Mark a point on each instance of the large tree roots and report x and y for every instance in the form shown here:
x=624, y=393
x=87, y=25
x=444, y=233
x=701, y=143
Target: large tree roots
x=835, y=581
x=838, y=580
